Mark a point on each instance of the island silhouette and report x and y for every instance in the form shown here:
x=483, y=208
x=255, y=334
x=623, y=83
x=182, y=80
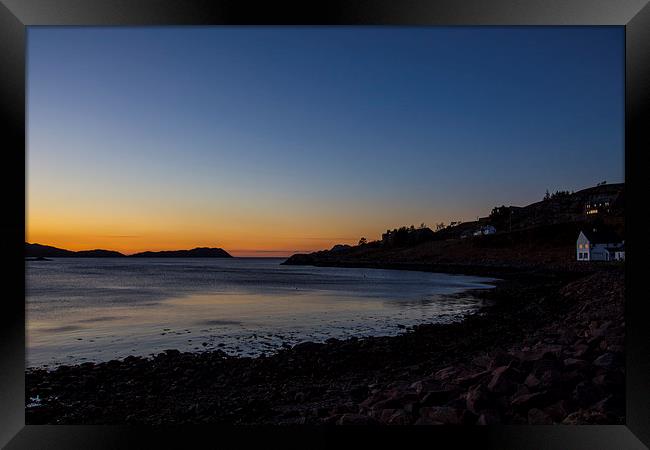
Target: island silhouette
x=46, y=251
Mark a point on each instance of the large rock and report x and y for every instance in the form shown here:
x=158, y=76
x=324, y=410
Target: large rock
x=356, y=419
x=358, y=393
x=502, y=380
x=531, y=381
x=535, y=400
x=442, y=414
x=608, y=360
x=399, y=417
x=586, y=417
x=372, y=400
x=439, y=397
x=550, y=378
x=387, y=403
x=423, y=386
x=557, y=411
x=575, y=364
x=609, y=380
x=477, y=398
x=446, y=373
x=473, y=378
x=489, y=417
x=538, y=417
x=586, y=393
x=308, y=346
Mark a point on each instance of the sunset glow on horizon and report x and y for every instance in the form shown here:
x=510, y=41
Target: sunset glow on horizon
x=269, y=141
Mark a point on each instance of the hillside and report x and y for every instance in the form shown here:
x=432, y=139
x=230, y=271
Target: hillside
x=542, y=233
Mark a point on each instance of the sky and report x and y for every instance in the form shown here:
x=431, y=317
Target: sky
x=267, y=141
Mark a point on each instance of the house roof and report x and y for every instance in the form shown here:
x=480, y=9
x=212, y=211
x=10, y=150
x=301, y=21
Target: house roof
x=601, y=236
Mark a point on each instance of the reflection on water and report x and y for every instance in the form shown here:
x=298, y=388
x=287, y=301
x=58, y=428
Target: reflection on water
x=98, y=309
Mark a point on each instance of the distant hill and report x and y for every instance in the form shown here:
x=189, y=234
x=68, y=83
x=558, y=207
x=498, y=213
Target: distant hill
x=47, y=251
x=97, y=253
x=200, y=252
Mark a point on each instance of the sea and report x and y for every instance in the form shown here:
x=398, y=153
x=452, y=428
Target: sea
x=98, y=309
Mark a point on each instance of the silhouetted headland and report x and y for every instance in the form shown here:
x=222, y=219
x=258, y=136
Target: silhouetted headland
x=43, y=251
x=200, y=252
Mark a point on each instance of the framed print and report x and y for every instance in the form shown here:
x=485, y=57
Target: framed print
x=306, y=223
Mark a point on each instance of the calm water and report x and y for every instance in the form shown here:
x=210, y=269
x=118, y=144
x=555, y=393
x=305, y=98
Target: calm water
x=82, y=309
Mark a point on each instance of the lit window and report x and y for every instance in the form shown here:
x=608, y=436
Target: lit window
x=586, y=245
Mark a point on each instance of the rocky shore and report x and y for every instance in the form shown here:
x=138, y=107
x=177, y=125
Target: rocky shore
x=547, y=348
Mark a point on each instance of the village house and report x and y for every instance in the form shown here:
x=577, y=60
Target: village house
x=484, y=230
x=594, y=245
x=598, y=204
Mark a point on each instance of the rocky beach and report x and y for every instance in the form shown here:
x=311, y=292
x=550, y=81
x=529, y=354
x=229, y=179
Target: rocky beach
x=546, y=349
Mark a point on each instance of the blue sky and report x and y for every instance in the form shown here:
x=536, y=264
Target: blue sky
x=345, y=131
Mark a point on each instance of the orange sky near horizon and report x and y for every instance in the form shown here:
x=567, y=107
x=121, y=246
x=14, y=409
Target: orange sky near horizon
x=130, y=226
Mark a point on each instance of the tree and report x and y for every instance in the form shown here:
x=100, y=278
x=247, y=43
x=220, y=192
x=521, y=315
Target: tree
x=560, y=194
x=440, y=226
x=363, y=241
x=547, y=196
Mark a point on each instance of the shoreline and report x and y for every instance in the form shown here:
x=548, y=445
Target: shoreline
x=431, y=374
x=269, y=337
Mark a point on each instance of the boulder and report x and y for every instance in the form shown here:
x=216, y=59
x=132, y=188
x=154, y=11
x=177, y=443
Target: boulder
x=441, y=414
x=386, y=404
x=473, y=378
x=400, y=417
x=550, y=378
x=580, y=350
x=423, y=386
x=502, y=380
x=358, y=393
x=439, y=397
x=586, y=393
x=385, y=415
x=308, y=346
x=575, y=364
x=586, y=417
x=609, y=379
x=477, y=398
x=608, y=360
x=538, y=417
x=534, y=400
x=557, y=411
x=531, y=381
x=446, y=373
x=488, y=417
x=356, y=419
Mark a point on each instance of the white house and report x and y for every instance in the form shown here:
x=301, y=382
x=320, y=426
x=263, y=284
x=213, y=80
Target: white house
x=487, y=229
x=619, y=253
x=593, y=245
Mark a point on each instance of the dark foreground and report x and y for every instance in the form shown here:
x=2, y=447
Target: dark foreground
x=548, y=348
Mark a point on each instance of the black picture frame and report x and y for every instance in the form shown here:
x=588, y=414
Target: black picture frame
x=16, y=15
